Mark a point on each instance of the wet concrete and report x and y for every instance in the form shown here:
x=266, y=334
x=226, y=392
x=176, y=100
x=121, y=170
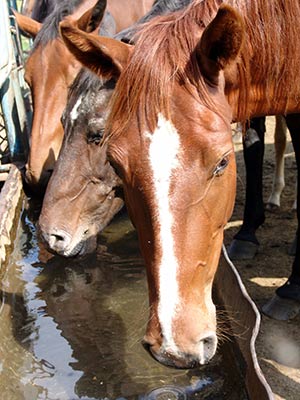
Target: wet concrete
x=72, y=329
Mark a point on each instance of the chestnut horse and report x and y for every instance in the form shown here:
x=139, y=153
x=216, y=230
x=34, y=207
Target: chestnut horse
x=187, y=78
x=80, y=202
x=50, y=70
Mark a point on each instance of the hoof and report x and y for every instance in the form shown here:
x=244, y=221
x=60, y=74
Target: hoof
x=281, y=309
x=292, y=249
x=290, y=290
x=242, y=250
x=272, y=207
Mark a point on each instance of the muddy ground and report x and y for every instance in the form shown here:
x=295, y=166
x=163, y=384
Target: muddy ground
x=278, y=344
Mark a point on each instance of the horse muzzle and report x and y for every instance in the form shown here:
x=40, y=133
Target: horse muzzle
x=60, y=242
x=190, y=356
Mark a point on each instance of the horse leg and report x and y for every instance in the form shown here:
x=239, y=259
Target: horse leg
x=245, y=244
x=295, y=202
x=286, y=302
x=278, y=179
x=292, y=249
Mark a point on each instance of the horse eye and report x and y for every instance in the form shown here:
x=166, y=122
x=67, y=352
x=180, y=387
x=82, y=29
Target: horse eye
x=63, y=119
x=219, y=169
x=95, y=137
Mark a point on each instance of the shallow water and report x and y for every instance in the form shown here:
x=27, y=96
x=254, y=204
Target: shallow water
x=72, y=329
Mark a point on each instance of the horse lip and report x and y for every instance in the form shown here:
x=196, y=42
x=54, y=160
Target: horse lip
x=75, y=251
x=68, y=253
x=169, y=359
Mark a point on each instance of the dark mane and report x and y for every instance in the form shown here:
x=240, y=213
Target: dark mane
x=43, y=8
x=50, y=27
x=85, y=82
x=162, y=56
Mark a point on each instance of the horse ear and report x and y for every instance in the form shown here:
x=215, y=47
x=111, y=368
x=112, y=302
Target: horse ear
x=91, y=19
x=27, y=24
x=104, y=56
x=221, y=42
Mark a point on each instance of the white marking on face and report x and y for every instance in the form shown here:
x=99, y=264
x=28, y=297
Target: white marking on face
x=163, y=156
x=74, y=112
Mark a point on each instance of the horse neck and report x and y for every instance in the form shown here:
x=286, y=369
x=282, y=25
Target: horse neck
x=257, y=95
x=264, y=80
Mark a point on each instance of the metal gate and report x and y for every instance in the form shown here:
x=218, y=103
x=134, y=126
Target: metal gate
x=15, y=104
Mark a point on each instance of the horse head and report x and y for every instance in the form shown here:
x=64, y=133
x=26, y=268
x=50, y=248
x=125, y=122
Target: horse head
x=49, y=71
x=84, y=192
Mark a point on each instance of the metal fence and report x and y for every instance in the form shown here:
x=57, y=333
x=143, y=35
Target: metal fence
x=15, y=103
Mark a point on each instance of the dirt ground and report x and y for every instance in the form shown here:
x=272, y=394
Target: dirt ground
x=278, y=344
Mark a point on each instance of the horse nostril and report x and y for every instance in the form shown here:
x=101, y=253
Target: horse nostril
x=209, y=346
x=209, y=341
x=146, y=345
x=58, y=240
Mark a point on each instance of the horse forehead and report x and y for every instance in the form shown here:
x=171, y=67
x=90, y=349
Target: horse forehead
x=170, y=146
x=89, y=106
x=164, y=145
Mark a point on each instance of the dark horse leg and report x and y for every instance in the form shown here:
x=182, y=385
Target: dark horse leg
x=245, y=243
x=286, y=303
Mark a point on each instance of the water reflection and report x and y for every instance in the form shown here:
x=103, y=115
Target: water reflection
x=72, y=329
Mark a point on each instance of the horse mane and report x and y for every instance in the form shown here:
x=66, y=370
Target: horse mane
x=42, y=9
x=50, y=27
x=169, y=56
x=158, y=63
x=84, y=83
x=272, y=35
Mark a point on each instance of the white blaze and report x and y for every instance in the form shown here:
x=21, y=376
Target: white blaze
x=163, y=156
x=74, y=112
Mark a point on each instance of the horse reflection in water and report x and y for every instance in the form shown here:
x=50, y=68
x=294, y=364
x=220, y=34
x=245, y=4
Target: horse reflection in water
x=76, y=299
x=85, y=304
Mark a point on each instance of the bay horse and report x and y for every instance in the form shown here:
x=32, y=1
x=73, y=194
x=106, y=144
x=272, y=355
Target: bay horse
x=51, y=69
x=80, y=202
x=189, y=75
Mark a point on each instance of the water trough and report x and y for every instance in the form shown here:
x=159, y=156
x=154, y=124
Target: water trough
x=71, y=330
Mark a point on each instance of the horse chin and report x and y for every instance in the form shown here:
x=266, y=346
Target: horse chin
x=82, y=248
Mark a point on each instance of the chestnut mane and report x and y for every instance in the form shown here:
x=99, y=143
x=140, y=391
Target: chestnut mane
x=163, y=49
